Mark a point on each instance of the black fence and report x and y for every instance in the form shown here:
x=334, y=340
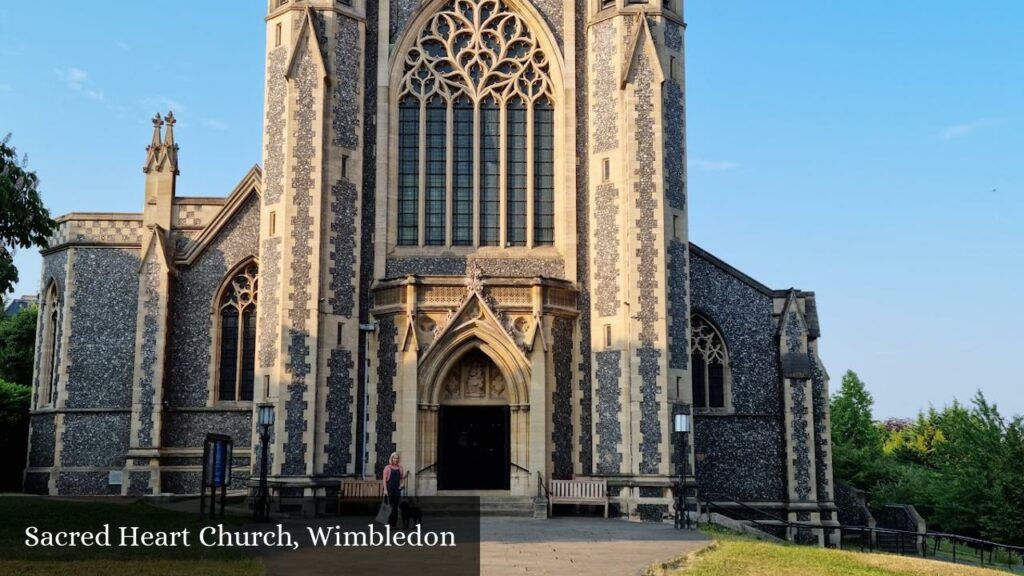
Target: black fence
x=931, y=545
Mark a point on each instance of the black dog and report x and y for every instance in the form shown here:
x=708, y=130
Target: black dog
x=411, y=513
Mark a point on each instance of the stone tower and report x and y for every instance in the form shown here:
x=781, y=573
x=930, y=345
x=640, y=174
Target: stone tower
x=636, y=197
x=308, y=330
x=345, y=393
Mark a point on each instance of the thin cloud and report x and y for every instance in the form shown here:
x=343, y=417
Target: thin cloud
x=123, y=45
x=5, y=88
x=214, y=124
x=164, y=104
x=77, y=80
x=961, y=130
x=714, y=165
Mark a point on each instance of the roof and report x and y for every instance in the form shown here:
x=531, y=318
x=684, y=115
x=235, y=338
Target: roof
x=19, y=304
x=742, y=277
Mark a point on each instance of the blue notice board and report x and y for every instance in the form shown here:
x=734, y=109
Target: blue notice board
x=220, y=463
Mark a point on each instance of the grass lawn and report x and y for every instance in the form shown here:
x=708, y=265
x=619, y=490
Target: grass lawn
x=733, y=555
x=49, y=514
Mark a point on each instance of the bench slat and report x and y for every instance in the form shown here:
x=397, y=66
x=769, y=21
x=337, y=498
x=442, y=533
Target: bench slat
x=362, y=489
x=578, y=492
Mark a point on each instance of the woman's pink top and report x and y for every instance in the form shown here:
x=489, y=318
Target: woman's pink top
x=388, y=471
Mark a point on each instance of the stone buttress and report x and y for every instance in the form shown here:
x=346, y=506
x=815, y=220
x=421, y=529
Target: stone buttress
x=308, y=329
x=638, y=246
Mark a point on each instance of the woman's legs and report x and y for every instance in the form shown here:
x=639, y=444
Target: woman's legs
x=394, y=498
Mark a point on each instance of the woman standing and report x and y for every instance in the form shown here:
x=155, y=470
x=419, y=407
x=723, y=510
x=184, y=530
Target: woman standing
x=393, y=485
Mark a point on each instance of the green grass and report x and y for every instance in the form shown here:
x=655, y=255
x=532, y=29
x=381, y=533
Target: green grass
x=967, y=555
x=50, y=514
x=733, y=555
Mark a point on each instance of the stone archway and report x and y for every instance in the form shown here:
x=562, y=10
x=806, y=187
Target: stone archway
x=473, y=388
x=473, y=426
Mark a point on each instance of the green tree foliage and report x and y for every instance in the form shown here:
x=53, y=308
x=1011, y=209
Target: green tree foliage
x=962, y=467
x=856, y=439
x=17, y=349
x=852, y=422
x=24, y=221
x=14, y=404
x=17, y=346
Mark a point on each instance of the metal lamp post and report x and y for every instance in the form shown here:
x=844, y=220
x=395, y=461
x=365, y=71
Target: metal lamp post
x=681, y=426
x=265, y=419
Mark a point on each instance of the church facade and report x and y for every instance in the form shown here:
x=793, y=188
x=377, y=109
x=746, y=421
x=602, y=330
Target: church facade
x=467, y=243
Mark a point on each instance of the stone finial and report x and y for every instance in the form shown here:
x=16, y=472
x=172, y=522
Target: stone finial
x=170, y=148
x=169, y=136
x=157, y=124
x=162, y=152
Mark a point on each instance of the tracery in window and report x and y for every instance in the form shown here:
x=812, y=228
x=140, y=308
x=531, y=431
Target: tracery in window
x=237, y=332
x=49, y=374
x=710, y=361
x=475, y=131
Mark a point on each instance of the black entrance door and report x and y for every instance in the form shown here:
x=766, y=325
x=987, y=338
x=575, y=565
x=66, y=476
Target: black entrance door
x=473, y=448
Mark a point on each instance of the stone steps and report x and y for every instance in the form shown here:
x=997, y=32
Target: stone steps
x=510, y=506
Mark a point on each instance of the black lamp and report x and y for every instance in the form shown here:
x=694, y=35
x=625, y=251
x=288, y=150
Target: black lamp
x=265, y=418
x=681, y=426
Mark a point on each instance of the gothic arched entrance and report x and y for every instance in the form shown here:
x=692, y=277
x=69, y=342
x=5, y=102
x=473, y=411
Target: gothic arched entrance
x=473, y=412
x=474, y=441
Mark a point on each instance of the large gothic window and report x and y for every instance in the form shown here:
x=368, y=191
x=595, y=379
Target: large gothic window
x=710, y=365
x=237, y=333
x=49, y=373
x=475, y=132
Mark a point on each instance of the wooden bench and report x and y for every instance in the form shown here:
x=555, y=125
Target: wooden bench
x=360, y=490
x=590, y=492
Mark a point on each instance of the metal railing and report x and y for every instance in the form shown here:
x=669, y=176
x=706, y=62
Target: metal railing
x=542, y=484
x=514, y=466
x=934, y=545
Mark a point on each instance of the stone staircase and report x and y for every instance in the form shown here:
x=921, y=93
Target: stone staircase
x=509, y=506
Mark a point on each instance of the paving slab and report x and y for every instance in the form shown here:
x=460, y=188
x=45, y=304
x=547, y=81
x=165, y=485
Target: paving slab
x=510, y=547
x=590, y=546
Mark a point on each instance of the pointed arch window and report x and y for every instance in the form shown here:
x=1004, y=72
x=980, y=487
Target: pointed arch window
x=49, y=373
x=710, y=366
x=236, y=313
x=475, y=132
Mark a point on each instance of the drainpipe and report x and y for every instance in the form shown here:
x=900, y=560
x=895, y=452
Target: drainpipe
x=367, y=329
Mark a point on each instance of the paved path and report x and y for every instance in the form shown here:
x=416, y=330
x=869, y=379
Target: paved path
x=509, y=547
x=588, y=546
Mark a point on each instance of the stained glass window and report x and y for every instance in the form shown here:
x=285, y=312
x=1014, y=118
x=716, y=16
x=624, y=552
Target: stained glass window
x=709, y=367
x=477, y=73
x=237, y=365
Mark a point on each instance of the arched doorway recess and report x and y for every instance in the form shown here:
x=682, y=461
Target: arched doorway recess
x=473, y=407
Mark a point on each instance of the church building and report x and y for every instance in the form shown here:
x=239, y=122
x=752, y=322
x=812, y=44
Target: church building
x=467, y=243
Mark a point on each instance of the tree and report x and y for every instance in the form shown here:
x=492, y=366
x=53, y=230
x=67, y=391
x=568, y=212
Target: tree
x=17, y=346
x=852, y=423
x=914, y=441
x=24, y=221
x=857, y=455
x=1006, y=523
x=14, y=404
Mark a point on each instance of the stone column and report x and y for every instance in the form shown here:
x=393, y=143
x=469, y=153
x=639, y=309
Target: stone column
x=638, y=240
x=142, y=470
x=799, y=424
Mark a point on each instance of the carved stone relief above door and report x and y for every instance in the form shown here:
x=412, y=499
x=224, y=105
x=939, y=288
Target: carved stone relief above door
x=474, y=379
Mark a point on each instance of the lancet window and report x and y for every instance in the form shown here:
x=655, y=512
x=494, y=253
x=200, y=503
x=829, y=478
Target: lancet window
x=710, y=365
x=237, y=332
x=49, y=374
x=476, y=135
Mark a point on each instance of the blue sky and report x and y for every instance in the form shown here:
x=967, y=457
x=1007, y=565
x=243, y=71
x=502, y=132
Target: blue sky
x=871, y=151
